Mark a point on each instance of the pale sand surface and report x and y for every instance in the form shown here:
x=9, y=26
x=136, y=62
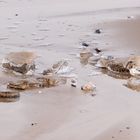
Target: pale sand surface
x=65, y=113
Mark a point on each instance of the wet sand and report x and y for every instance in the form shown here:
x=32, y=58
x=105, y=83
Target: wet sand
x=64, y=112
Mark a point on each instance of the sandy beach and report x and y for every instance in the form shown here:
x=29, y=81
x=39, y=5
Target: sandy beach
x=55, y=30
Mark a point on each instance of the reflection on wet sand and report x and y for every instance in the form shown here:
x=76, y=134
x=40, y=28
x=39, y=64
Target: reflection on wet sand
x=133, y=83
x=9, y=95
x=9, y=100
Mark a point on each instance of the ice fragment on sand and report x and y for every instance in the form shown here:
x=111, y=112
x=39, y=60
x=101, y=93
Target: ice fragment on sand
x=19, y=62
x=73, y=82
x=98, y=31
x=89, y=87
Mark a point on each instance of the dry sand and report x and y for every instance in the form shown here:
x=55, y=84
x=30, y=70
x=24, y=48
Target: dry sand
x=55, y=30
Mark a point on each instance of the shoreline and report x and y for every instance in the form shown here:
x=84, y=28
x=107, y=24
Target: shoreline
x=63, y=112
